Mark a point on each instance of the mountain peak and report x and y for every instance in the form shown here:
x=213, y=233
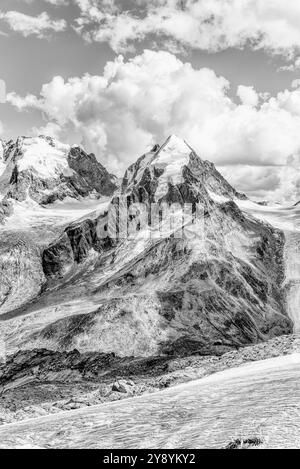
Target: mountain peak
x=43, y=169
x=46, y=156
x=173, y=155
x=174, y=142
x=169, y=167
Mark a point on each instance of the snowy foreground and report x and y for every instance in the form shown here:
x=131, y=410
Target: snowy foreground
x=259, y=400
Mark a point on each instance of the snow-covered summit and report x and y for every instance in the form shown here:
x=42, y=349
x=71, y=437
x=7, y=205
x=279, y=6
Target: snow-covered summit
x=44, y=170
x=170, y=165
x=176, y=146
x=45, y=156
x=173, y=155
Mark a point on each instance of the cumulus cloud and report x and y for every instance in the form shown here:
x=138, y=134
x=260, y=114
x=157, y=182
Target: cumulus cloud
x=139, y=102
x=39, y=26
x=291, y=67
x=256, y=181
x=248, y=95
x=210, y=25
x=24, y=104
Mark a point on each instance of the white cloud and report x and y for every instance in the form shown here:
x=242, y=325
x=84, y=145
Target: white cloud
x=24, y=104
x=291, y=67
x=27, y=25
x=248, y=95
x=210, y=25
x=256, y=181
x=139, y=102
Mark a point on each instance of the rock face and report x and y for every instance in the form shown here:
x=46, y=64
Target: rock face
x=73, y=247
x=210, y=281
x=95, y=176
x=21, y=270
x=45, y=170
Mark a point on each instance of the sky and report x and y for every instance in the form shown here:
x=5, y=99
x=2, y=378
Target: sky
x=118, y=76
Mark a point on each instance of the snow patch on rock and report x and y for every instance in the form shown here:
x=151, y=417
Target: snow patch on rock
x=171, y=158
x=220, y=199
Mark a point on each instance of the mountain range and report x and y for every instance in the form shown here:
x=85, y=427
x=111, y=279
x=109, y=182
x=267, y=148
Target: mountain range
x=211, y=282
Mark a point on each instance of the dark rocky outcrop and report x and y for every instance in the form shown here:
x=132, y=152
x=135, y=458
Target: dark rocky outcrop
x=246, y=443
x=94, y=174
x=73, y=247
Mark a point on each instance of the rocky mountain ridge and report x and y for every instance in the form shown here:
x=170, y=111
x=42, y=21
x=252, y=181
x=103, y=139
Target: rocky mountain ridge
x=216, y=287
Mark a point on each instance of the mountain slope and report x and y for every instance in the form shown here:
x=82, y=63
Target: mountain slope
x=211, y=281
x=44, y=185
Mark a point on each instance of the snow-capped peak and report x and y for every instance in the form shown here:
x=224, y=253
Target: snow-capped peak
x=166, y=167
x=175, y=141
x=174, y=151
x=46, y=157
x=170, y=159
x=45, y=170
